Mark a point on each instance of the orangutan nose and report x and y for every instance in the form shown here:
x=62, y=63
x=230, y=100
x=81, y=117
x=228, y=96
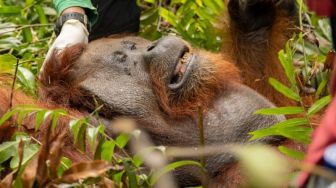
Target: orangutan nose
x=170, y=47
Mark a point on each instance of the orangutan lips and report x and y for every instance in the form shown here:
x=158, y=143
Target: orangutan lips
x=181, y=66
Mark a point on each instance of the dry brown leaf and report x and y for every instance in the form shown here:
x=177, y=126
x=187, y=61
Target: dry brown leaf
x=55, y=154
x=29, y=173
x=329, y=62
x=42, y=175
x=85, y=170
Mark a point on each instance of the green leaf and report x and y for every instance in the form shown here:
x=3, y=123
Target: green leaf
x=42, y=17
x=29, y=2
x=92, y=133
x=293, y=129
x=122, y=140
x=118, y=177
x=56, y=114
x=318, y=105
x=29, y=151
x=21, y=116
x=150, y=1
x=41, y=116
x=137, y=160
x=27, y=79
x=173, y=166
x=10, y=10
x=284, y=89
x=286, y=62
x=74, y=127
x=6, y=116
x=321, y=88
x=27, y=35
x=65, y=165
x=97, y=155
x=81, y=139
x=7, y=63
x=108, y=150
x=298, y=155
x=280, y=110
x=7, y=150
x=168, y=16
x=130, y=171
x=149, y=16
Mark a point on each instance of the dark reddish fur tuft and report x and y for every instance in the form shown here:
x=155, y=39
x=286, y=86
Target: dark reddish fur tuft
x=57, y=80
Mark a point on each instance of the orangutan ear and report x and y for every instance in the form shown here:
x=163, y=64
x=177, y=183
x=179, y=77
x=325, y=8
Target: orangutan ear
x=56, y=79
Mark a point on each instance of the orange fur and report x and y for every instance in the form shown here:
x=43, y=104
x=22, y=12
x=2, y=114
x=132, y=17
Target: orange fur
x=256, y=56
x=222, y=73
x=57, y=81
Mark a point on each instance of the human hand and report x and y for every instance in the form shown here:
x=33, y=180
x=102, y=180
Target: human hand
x=72, y=32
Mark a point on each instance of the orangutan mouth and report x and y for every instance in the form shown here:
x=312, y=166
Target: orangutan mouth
x=182, y=70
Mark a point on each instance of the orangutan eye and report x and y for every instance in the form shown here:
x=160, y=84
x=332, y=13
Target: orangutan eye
x=119, y=56
x=129, y=45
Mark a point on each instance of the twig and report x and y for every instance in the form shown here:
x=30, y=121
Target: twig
x=13, y=84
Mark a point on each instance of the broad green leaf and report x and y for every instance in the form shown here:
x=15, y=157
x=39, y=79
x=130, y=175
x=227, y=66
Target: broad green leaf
x=81, y=139
x=118, y=177
x=287, y=63
x=318, y=105
x=137, y=160
x=27, y=79
x=97, y=154
x=27, y=35
x=173, y=166
x=168, y=16
x=321, y=88
x=74, y=127
x=10, y=10
x=92, y=133
x=7, y=63
x=42, y=17
x=29, y=2
x=295, y=129
x=41, y=116
x=280, y=110
x=65, y=165
x=7, y=150
x=130, y=171
x=149, y=16
x=21, y=116
x=56, y=114
x=284, y=89
x=298, y=155
x=6, y=116
x=108, y=150
x=122, y=140
x=28, y=152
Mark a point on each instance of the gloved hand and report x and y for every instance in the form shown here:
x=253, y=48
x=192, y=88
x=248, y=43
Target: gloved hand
x=72, y=32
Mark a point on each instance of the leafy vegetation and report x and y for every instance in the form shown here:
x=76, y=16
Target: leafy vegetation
x=26, y=32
